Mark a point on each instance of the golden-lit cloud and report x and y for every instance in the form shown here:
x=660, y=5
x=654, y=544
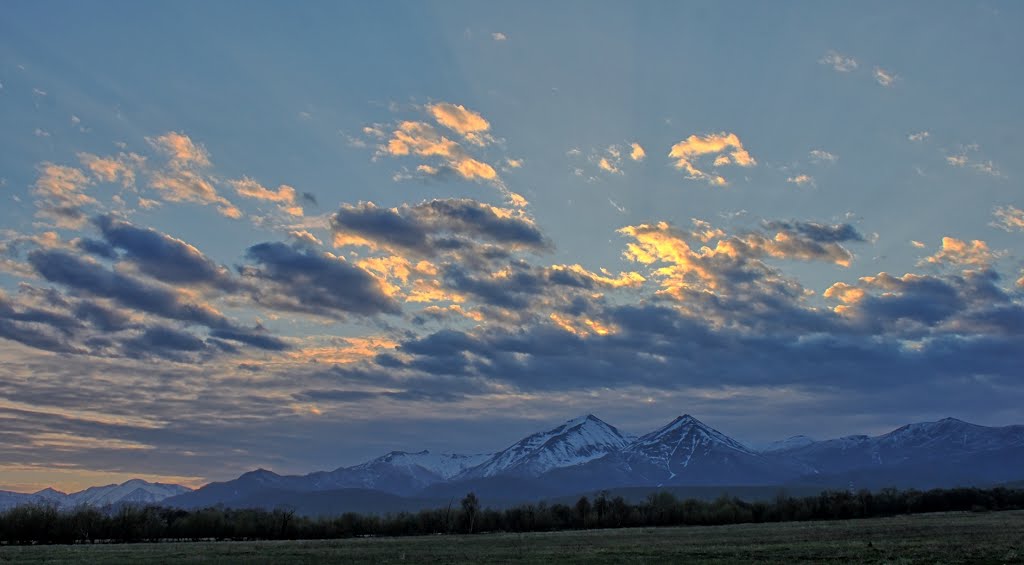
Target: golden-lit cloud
x=957, y=252
x=628, y=279
x=284, y=196
x=606, y=165
x=189, y=186
x=801, y=180
x=342, y=351
x=467, y=123
x=1009, y=218
x=181, y=149
x=111, y=169
x=727, y=148
x=581, y=326
x=423, y=139
x=637, y=152
x=183, y=180
x=60, y=195
x=723, y=259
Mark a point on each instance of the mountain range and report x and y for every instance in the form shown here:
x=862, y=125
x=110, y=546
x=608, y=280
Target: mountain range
x=135, y=491
x=587, y=454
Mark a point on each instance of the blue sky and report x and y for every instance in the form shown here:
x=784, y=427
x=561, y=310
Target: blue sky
x=195, y=284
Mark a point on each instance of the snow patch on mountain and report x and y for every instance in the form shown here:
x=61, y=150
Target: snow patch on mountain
x=575, y=442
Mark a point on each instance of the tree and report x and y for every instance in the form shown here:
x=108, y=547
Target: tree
x=470, y=507
x=583, y=509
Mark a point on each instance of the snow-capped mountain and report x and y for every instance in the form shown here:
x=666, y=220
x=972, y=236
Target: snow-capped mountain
x=688, y=451
x=791, y=442
x=948, y=451
x=398, y=472
x=573, y=443
x=586, y=454
x=134, y=491
x=443, y=465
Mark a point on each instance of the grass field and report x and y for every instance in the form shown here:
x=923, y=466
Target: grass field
x=993, y=537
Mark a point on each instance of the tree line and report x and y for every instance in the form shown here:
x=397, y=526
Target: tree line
x=46, y=524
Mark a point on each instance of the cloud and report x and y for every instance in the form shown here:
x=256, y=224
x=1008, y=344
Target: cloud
x=284, y=196
x=300, y=279
x=433, y=226
x=884, y=77
x=163, y=257
x=637, y=153
x=919, y=136
x=181, y=149
x=61, y=197
x=467, y=123
x=91, y=277
x=822, y=156
x=498, y=36
x=605, y=164
x=839, y=62
x=422, y=139
x=687, y=151
x=1009, y=218
x=726, y=265
x=959, y=253
x=183, y=180
x=111, y=169
x=963, y=159
x=801, y=180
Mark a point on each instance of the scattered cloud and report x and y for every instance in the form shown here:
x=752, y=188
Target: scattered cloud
x=498, y=36
x=884, y=77
x=801, y=180
x=686, y=152
x=965, y=158
x=822, y=156
x=1009, y=218
x=959, y=253
x=467, y=123
x=839, y=62
x=61, y=197
x=919, y=136
x=637, y=152
x=284, y=196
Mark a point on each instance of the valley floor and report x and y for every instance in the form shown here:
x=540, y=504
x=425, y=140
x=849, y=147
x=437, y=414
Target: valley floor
x=988, y=537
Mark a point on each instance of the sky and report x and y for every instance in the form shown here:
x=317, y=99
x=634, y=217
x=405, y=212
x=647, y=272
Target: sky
x=259, y=234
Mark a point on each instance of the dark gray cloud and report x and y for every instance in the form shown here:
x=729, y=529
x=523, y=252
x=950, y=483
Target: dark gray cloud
x=305, y=280
x=92, y=278
x=163, y=257
x=821, y=233
x=257, y=338
x=96, y=247
x=437, y=226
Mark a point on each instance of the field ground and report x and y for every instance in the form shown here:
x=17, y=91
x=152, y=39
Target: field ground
x=988, y=537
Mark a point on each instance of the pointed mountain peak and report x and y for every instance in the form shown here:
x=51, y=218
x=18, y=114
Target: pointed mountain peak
x=260, y=473
x=49, y=491
x=684, y=426
x=589, y=418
